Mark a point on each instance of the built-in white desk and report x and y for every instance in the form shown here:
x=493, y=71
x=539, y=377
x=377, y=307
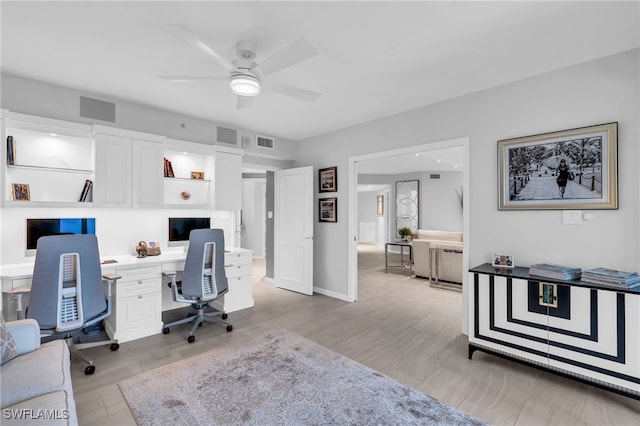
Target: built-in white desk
x=141, y=295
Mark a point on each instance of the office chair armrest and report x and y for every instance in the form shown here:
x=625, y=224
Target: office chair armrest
x=26, y=334
x=170, y=274
x=110, y=279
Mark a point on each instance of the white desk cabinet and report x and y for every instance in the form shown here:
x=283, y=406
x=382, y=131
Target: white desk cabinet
x=137, y=304
x=237, y=266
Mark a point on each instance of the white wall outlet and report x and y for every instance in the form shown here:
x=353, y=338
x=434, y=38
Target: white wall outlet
x=572, y=217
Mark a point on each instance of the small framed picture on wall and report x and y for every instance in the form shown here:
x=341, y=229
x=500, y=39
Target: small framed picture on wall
x=328, y=210
x=328, y=179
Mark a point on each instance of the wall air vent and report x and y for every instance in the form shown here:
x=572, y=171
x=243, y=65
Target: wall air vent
x=434, y=176
x=228, y=136
x=97, y=109
x=265, y=142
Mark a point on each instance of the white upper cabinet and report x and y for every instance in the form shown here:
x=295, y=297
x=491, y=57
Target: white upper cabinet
x=147, y=173
x=128, y=168
x=113, y=171
x=228, y=181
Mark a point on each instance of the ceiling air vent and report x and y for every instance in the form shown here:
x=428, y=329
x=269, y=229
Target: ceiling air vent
x=265, y=142
x=434, y=175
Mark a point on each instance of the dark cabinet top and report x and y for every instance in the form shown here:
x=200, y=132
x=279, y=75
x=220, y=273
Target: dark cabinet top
x=523, y=273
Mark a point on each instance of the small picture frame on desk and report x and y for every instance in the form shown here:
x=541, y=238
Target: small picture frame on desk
x=548, y=294
x=502, y=261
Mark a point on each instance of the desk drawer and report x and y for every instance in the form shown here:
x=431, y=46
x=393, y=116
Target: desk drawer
x=134, y=288
x=137, y=274
x=237, y=258
x=237, y=270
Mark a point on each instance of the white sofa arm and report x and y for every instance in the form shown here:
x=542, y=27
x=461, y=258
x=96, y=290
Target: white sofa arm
x=26, y=334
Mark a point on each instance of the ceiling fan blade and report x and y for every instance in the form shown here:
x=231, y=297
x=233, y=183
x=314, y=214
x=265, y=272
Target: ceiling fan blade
x=297, y=51
x=187, y=35
x=295, y=92
x=187, y=78
x=244, y=102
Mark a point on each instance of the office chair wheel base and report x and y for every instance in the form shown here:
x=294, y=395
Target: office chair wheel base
x=191, y=339
x=229, y=327
x=89, y=370
x=114, y=347
x=224, y=316
x=165, y=330
x=199, y=324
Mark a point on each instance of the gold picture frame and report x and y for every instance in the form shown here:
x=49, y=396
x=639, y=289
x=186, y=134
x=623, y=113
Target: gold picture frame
x=574, y=169
x=548, y=294
x=21, y=192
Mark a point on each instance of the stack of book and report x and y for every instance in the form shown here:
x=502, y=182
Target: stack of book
x=168, y=168
x=555, y=272
x=611, y=278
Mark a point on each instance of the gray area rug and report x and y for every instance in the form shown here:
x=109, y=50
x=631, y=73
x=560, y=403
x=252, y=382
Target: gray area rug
x=278, y=378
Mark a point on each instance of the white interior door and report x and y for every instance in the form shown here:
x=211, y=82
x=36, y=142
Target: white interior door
x=293, y=230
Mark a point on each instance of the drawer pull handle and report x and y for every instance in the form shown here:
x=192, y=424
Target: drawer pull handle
x=140, y=297
x=139, y=281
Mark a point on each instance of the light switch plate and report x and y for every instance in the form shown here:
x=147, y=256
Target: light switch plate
x=572, y=217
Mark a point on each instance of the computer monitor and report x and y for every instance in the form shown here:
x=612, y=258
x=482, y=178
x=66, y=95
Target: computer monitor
x=181, y=227
x=37, y=228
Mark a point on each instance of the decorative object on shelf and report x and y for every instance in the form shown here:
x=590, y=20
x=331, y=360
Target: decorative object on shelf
x=564, y=170
x=11, y=151
x=144, y=249
x=611, y=278
x=405, y=233
x=328, y=179
x=555, y=272
x=88, y=184
x=21, y=192
x=408, y=204
x=185, y=195
x=380, y=205
x=168, y=168
x=328, y=210
x=502, y=261
x=197, y=175
x=548, y=294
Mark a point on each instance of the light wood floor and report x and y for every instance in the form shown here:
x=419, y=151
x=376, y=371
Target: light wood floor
x=399, y=326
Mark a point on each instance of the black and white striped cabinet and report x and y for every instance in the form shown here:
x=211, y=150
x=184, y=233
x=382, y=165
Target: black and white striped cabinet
x=577, y=329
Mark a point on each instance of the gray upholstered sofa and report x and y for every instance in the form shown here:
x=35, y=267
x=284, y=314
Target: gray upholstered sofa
x=36, y=383
x=450, y=256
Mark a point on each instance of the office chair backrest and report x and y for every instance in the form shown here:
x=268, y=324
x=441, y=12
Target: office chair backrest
x=203, y=274
x=69, y=264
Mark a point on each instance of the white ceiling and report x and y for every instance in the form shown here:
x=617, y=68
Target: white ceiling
x=375, y=58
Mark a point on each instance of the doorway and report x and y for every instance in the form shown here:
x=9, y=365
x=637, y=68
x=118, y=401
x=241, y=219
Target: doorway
x=356, y=162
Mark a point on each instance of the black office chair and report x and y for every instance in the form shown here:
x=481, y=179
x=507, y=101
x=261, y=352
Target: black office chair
x=203, y=280
x=67, y=291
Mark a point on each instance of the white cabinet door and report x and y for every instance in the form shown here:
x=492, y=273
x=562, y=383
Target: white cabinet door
x=228, y=181
x=148, y=173
x=112, y=187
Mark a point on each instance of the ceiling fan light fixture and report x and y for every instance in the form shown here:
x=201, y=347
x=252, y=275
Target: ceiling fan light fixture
x=245, y=85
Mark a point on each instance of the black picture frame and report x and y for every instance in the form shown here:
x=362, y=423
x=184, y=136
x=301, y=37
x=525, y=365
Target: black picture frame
x=328, y=210
x=328, y=179
x=574, y=169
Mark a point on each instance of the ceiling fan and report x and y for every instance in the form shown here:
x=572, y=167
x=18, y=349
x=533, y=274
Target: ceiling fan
x=246, y=77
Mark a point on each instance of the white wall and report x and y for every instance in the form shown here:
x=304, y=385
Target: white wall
x=368, y=217
x=596, y=92
x=47, y=100
x=441, y=207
